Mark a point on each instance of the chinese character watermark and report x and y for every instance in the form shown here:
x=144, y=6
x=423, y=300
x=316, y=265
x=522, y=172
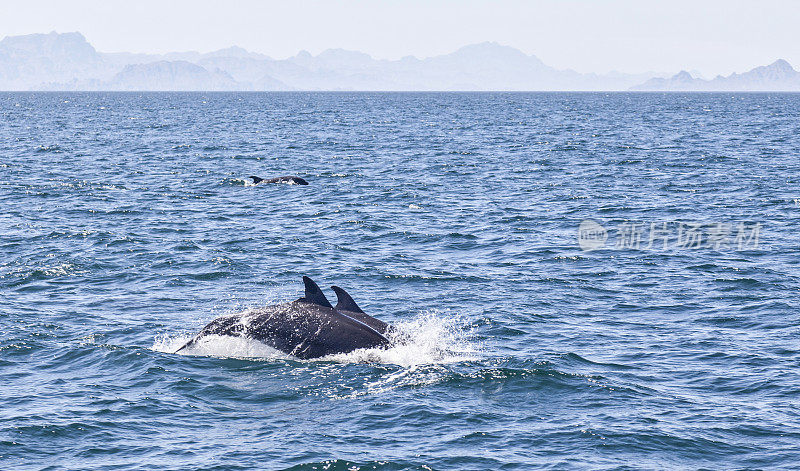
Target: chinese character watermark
x=663, y=235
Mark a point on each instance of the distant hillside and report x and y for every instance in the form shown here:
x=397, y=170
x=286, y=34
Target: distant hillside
x=170, y=75
x=68, y=62
x=28, y=62
x=778, y=76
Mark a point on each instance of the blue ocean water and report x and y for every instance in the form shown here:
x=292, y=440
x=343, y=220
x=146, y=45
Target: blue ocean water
x=127, y=223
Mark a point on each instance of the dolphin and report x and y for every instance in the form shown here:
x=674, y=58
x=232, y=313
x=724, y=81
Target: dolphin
x=306, y=328
x=349, y=308
x=286, y=179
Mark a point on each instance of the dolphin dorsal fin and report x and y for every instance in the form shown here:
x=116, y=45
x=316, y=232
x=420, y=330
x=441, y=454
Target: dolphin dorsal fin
x=345, y=302
x=256, y=180
x=313, y=294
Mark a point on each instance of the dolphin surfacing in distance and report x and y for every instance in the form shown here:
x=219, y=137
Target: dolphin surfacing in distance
x=290, y=179
x=307, y=328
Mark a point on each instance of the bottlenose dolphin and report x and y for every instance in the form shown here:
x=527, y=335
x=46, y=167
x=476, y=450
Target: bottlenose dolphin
x=349, y=308
x=286, y=179
x=307, y=328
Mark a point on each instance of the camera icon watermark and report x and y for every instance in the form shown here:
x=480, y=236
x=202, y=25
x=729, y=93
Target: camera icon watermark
x=591, y=235
x=664, y=235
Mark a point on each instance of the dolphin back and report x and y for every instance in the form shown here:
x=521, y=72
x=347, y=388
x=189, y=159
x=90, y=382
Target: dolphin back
x=307, y=330
x=290, y=179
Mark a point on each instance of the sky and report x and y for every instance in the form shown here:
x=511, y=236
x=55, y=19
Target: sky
x=709, y=36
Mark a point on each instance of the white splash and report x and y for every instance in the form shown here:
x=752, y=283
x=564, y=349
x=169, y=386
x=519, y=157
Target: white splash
x=220, y=346
x=429, y=338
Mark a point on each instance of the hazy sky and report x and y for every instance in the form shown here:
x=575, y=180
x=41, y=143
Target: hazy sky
x=711, y=36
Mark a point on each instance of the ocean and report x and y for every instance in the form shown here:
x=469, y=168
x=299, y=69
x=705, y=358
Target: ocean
x=581, y=280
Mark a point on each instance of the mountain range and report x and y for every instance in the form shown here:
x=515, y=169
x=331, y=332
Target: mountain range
x=69, y=62
x=778, y=76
